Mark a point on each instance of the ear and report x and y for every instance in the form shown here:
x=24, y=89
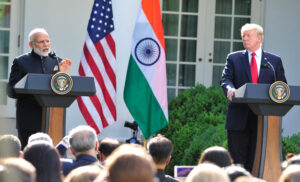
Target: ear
x=72, y=151
x=30, y=44
x=168, y=161
x=97, y=146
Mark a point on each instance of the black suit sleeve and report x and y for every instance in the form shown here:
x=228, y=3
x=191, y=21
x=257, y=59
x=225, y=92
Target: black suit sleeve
x=16, y=75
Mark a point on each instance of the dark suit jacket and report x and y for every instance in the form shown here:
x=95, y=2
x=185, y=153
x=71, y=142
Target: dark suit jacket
x=82, y=160
x=236, y=73
x=29, y=112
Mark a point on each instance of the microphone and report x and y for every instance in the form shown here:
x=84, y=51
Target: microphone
x=270, y=66
x=53, y=55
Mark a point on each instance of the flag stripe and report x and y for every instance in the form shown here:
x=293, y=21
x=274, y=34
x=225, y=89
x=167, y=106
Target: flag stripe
x=139, y=94
x=106, y=112
x=100, y=81
x=111, y=44
x=98, y=60
x=151, y=9
x=86, y=114
x=106, y=64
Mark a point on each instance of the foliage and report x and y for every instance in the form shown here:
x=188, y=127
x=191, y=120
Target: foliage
x=291, y=144
x=196, y=121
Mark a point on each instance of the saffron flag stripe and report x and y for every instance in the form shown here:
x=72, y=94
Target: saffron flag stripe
x=147, y=71
x=100, y=96
x=154, y=73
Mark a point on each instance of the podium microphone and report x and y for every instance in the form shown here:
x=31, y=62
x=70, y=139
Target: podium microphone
x=53, y=55
x=270, y=66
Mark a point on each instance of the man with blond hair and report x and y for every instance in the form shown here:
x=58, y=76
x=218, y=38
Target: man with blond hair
x=252, y=65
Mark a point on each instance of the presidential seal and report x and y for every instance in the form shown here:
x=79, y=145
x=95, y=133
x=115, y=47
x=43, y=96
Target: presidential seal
x=147, y=51
x=279, y=92
x=61, y=83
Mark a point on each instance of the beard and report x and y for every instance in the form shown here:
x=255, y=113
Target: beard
x=40, y=52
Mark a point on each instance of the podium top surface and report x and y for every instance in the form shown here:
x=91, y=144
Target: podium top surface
x=39, y=84
x=259, y=94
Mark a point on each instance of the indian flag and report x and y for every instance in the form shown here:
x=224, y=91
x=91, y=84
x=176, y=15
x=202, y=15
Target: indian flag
x=145, y=91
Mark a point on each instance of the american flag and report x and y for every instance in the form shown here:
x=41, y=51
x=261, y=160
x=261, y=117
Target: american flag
x=99, y=61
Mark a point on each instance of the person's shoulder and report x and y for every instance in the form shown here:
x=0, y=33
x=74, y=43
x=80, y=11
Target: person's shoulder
x=170, y=179
x=23, y=56
x=235, y=53
x=268, y=54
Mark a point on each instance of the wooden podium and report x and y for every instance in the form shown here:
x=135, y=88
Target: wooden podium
x=54, y=105
x=268, y=156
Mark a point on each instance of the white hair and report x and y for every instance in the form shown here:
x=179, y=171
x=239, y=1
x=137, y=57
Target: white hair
x=36, y=31
x=252, y=26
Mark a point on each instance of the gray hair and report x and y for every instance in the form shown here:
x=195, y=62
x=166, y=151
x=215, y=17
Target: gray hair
x=34, y=32
x=252, y=26
x=82, y=138
x=40, y=137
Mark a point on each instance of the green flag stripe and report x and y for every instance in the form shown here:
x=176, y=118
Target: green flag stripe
x=141, y=101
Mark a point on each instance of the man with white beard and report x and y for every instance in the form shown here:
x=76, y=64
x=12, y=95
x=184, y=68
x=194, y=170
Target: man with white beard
x=29, y=112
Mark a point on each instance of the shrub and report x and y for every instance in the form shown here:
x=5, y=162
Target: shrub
x=196, y=121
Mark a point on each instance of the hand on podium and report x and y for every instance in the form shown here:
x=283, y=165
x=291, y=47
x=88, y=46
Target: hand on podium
x=65, y=65
x=230, y=93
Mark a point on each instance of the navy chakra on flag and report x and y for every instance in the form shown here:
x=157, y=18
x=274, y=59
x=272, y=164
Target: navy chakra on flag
x=147, y=51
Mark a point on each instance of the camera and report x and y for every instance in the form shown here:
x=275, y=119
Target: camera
x=132, y=126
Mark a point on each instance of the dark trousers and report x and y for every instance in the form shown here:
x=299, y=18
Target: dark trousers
x=242, y=144
x=24, y=135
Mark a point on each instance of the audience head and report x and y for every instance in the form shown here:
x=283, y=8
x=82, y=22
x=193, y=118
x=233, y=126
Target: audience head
x=235, y=171
x=207, y=172
x=45, y=158
x=246, y=179
x=130, y=163
x=291, y=174
x=106, y=147
x=40, y=137
x=17, y=170
x=10, y=146
x=292, y=159
x=83, y=174
x=160, y=148
x=83, y=139
x=217, y=155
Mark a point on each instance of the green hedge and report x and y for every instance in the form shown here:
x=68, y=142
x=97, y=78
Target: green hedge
x=196, y=121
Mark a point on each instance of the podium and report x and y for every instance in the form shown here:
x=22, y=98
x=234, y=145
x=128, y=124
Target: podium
x=268, y=156
x=54, y=113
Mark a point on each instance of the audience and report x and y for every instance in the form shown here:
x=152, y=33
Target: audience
x=129, y=163
x=83, y=174
x=235, y=171
x=39, y=136
x=207, y=172
x=45, y=158
x=217, y=155
x=10, y=146
x=106, y=147
x=84, y=146
x=17, y=170
x=160, y=148
x=291, y=174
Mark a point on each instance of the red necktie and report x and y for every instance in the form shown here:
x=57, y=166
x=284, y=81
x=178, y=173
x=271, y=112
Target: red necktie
x=253, y=68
